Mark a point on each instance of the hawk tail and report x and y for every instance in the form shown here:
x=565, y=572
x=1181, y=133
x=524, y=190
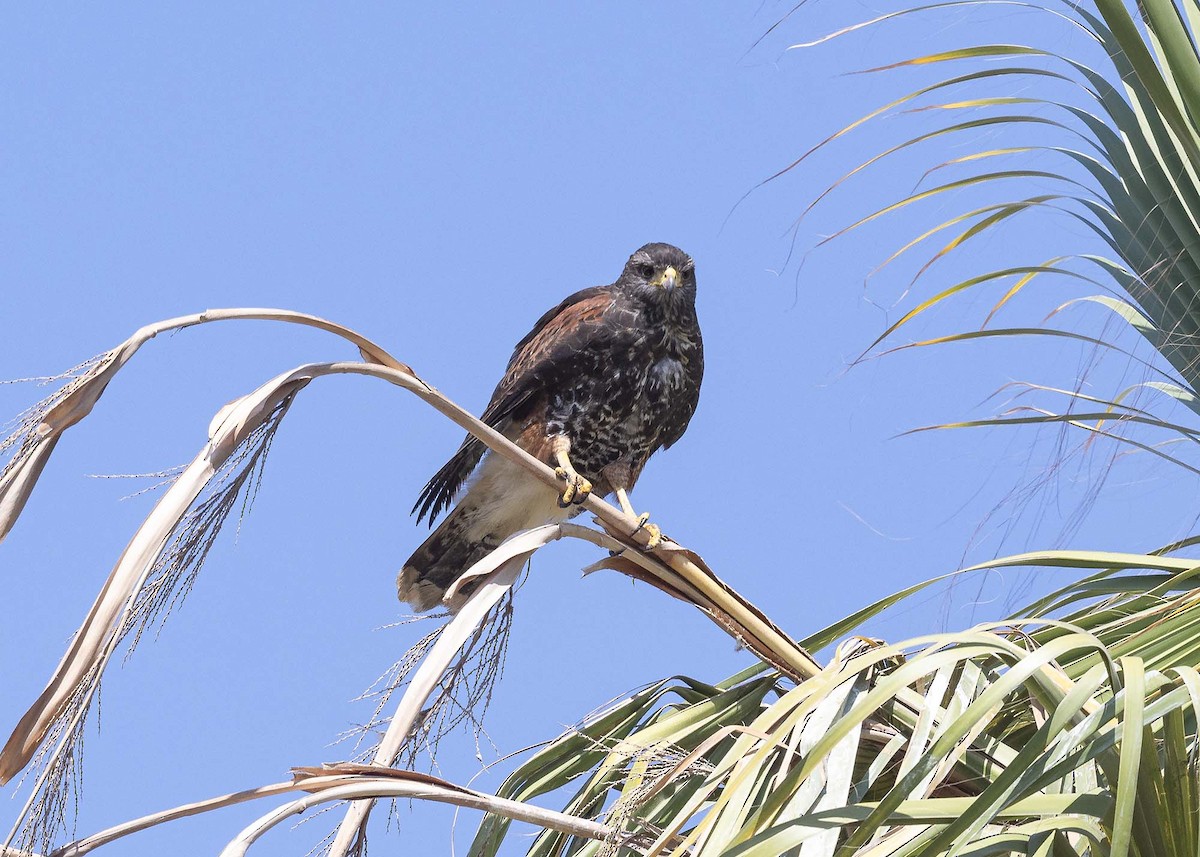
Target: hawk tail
x=442, y=558
x=501, y=501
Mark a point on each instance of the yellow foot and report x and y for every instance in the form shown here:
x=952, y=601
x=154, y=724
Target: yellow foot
x=577, y=489
x=652, y=529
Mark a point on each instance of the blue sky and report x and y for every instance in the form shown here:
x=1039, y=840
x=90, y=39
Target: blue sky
x=436, y=177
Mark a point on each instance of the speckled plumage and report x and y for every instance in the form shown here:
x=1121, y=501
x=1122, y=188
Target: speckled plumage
x=615, y=369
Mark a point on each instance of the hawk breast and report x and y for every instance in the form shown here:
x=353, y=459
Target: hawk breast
x=667, y=372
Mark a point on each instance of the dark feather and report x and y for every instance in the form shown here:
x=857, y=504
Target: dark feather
x=438, y=493
x=544, y=354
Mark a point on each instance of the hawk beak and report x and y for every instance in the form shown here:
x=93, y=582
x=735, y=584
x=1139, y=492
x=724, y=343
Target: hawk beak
x=669, y=278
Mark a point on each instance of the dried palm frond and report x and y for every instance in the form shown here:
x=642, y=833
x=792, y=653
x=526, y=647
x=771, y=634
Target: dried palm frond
x=38, y=431
x=328, y=784
x=160, y=564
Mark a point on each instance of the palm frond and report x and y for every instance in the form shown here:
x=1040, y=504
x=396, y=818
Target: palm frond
x=1120, y=152
x=1067, y=724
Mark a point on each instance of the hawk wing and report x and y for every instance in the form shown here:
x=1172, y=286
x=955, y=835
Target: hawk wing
x=545, y=354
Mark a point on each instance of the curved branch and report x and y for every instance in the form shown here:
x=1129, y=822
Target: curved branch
x=369, y=788
x=358, y=782
x=76, y=400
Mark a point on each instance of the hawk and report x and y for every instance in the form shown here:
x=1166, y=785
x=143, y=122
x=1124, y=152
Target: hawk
x=604, y=380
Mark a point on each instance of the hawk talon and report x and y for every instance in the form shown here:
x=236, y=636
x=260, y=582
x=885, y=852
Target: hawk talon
x=653, y=529
x=577, y=491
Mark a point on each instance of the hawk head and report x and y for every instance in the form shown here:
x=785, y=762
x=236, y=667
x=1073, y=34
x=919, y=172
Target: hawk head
x=660, y=274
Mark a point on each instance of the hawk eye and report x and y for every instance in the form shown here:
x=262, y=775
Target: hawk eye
x=645, y=270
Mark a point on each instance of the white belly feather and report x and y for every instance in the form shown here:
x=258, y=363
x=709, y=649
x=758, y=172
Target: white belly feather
x=506, y=498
